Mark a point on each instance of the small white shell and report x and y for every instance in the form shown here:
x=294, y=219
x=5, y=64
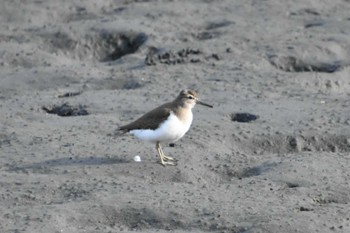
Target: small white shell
x=137, y=158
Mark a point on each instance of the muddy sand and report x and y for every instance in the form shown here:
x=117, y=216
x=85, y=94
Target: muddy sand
x=271, y=156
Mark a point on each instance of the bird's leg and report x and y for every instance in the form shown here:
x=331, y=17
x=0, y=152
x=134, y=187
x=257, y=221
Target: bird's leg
x=166, y=158
x=159, y=153
x=163, y=159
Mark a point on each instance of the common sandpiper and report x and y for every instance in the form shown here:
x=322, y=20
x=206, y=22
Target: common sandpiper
x=166, y=123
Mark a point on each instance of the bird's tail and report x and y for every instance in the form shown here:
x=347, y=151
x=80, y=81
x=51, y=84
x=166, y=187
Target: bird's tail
x=117, y=133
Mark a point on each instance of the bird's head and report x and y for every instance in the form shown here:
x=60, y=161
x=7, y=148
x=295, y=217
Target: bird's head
x=189, y=98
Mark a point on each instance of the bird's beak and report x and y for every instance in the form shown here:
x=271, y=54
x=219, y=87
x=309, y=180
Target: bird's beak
x=201, y=103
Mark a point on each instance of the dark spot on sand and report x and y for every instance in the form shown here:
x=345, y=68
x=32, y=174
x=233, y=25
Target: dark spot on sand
x=315, y=23
x=207, y=35
x=215, y=25
x=216, y=56
x=66, y=110
x=305, y=209
x=292, y=185
x=305, y=11
x=69, y=94
x=182, y=56
x=243, y=117
x=249, y=172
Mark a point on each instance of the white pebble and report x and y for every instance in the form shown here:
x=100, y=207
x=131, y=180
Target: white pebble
x=137, y=158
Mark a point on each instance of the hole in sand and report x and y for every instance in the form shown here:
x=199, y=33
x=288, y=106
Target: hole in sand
x=295, y=64
x=102, y=45
x=114, y=46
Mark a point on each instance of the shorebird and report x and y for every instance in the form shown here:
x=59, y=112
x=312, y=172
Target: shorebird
x=166, y=123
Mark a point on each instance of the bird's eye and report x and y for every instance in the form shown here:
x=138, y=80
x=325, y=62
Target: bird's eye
x=190, y=97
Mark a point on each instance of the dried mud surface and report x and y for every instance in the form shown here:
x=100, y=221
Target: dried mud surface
x=271, y=156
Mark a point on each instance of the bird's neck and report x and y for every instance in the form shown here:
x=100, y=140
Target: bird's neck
x=184, y=114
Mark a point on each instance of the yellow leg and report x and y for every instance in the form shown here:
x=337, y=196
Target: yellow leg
x=164, y=160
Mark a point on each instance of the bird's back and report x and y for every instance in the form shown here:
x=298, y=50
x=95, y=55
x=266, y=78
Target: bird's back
x=150, y=120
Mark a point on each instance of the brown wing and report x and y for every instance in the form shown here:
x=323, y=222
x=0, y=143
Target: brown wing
x=150, y=120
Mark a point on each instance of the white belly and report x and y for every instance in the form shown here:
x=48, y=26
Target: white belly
x=169, y=131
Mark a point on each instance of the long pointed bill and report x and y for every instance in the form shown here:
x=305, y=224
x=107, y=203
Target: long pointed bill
x=201, y=103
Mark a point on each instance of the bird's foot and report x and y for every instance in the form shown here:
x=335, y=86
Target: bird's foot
x=165, y=163
x=168, y=158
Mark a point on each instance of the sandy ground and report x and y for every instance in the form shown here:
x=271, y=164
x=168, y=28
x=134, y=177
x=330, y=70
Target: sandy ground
x=286, y=62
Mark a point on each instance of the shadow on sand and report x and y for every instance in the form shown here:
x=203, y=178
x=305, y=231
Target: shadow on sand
x=69, y=161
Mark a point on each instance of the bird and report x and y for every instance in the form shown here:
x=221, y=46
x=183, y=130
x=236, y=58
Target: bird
x=165, y=124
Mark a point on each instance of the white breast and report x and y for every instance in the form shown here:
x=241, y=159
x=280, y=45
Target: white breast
x=170, y=130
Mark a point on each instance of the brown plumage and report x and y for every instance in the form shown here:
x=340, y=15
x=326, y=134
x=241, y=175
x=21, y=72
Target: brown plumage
x=150, y=120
